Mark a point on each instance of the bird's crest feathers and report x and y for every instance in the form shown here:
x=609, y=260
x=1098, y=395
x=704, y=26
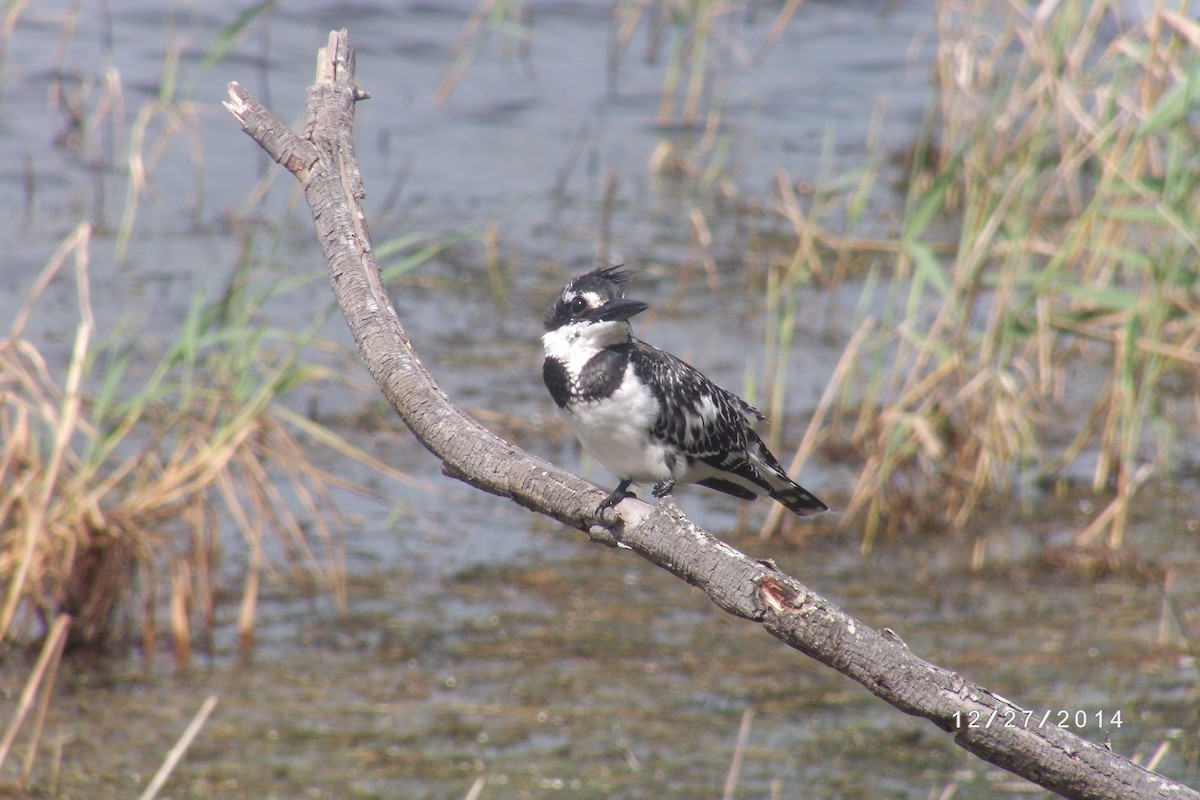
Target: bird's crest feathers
x=588, y=291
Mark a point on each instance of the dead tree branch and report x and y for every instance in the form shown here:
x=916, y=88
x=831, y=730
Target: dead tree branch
x=323, y=160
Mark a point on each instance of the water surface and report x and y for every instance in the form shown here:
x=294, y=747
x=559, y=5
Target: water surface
x=481, y=641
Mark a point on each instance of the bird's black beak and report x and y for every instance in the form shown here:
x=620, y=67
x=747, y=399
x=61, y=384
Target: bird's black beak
x=618, y=310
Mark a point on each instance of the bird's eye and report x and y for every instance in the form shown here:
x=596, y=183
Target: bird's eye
x=578, y=305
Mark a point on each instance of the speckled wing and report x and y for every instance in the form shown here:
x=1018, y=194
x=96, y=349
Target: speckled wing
x=700, y=418
x=711, y=425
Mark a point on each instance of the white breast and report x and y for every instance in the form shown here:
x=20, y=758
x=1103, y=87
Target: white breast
x=615, y=432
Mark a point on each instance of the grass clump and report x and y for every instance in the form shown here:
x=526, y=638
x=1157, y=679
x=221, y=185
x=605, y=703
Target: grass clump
x=115, y=487
x=1047, y=259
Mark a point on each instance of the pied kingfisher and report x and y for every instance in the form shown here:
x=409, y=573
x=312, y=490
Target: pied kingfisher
x=644, y=414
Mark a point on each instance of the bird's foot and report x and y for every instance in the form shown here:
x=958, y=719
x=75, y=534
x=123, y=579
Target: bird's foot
x=618, y=494
x=663, y=489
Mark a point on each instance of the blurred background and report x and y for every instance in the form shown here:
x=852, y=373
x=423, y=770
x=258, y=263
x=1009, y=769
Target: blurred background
x=949, y=249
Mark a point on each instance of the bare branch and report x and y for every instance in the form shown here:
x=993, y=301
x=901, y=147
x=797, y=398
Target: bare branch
x=323, y=160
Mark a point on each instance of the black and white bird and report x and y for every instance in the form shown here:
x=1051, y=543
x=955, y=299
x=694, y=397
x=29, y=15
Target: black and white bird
x=644, y=414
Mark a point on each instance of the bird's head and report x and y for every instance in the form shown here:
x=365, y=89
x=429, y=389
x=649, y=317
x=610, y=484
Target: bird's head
x=596, y=298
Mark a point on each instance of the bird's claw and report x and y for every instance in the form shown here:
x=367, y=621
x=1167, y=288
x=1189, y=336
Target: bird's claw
x=615, y=497
x=611, y=502
x=662, y=489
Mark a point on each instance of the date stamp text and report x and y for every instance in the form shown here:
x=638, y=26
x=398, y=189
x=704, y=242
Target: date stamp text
x=1054, y=718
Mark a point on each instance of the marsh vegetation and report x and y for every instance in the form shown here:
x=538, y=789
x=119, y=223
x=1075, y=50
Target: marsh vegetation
x=983, y=328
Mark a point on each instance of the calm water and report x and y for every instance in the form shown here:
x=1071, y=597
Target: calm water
x=482, y=641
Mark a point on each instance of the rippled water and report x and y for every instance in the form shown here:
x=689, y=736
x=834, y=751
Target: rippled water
x=482, y=641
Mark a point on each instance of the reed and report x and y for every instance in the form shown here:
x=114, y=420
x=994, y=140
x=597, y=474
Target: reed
x=700, y=38
x=95, y=121
x=504, y=17
x=125, y=475
x=1047, y=260
x=40, y=684
x=119, y=479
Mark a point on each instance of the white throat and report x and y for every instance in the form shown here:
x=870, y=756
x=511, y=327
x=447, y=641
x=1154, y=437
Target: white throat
x=576, y=343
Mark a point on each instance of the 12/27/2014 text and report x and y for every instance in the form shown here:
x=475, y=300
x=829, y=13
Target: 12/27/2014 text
x=1052, y=718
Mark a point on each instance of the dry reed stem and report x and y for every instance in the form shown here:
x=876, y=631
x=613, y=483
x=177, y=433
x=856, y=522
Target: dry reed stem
x=458, y=60
x=476, y=789
x=1111, y=518
x=1160, y=753
x=816, y=423
x=177, y=752
x=58, y=636
x=702, y=242
x=15, y=9
x=782, y=19
x=46, y=666
x=324, y=437
x=181, y=629
x=739, y=753
x=704, y=18
x=64, y=420
x=808, y=235
x=1168, y=619
x=627, y=14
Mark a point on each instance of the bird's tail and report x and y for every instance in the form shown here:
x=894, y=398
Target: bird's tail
x=793, y=496
x=799, y=500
